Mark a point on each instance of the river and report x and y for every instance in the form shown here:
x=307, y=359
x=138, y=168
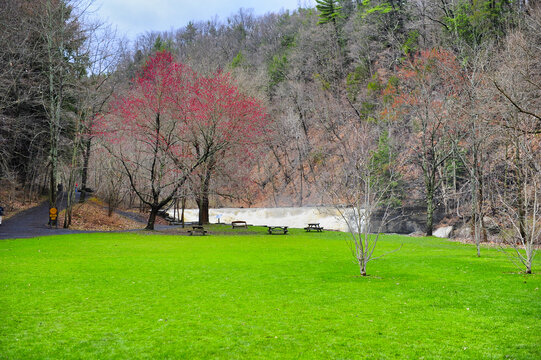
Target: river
x=295, y=217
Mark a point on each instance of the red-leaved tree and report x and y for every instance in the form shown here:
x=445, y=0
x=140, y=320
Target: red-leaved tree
x=172, y=126
x=149, y=128
x=228, y=126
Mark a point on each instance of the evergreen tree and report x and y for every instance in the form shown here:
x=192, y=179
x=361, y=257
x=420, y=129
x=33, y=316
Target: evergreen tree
x=329, y=11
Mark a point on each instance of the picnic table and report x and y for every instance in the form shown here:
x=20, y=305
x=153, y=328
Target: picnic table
x=277, y=230
x=239, y=224
x=197, y=230
x=314, y=226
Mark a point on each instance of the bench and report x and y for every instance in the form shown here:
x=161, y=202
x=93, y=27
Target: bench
x=197, y=230
x=239, y=224
x=277, y=230
x=314, y=226
x=186, y=223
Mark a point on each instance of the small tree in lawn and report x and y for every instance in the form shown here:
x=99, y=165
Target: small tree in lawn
x=517, y=84
x=148, y=130
x=520, y=216
x=366, y=189
x=229, y=127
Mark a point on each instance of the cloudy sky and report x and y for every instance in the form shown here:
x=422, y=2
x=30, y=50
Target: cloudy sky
x=134, y=17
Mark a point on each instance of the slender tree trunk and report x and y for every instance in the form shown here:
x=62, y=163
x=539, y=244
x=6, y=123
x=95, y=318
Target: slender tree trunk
x=481, y=203
x=69, y=204
x=530, y=250
x=54, y=49
x=53, y=152
x=362, y=266
x=443, y=175
x=455, y=189
x=71, y=181
x=110, y=209
x=182, y=213
x=477, y=233
x=84, y=173
x=520, y=196
x=429, y=209
x=475, y=214
x=52, y=187
x=302, y=178
x=43, y=188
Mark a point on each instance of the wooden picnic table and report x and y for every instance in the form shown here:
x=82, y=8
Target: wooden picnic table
x=277, y=230
x=314, y=226
x=239, y=224
x=197, y=230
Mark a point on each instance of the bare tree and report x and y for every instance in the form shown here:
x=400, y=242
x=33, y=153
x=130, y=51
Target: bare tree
x=62, y=35
x=474, y=137
x=28, y=31
x=517, y=84
x=115, y=187
x=104, y=52
x=429, y=84
x=520, y=217
x=361, y=195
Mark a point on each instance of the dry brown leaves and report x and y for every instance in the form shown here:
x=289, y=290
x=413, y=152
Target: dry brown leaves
x=93, y=216
x=13, y=200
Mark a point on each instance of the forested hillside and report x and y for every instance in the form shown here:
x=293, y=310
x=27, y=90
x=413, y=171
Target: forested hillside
x=427, y=103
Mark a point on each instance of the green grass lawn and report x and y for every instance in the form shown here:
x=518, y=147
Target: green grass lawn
x=259, y=296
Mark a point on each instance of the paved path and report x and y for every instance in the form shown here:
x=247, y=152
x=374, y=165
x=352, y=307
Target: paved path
x=33, y=222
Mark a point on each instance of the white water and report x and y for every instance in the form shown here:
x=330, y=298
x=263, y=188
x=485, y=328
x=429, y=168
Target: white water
x=295, y=217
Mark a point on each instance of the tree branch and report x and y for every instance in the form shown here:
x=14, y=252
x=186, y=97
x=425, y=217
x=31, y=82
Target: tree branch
x=516, y=105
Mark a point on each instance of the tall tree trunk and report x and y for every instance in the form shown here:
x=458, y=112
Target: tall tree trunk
x=68, y=212
x=84, y=173
x=203, y=204
x=302, y=178
x=481, y=203
x=53, y=134
x=203, y=198
x=152, y=218
x=520, y=195
x=53, y=195
x=475, y=208
x=430, y=184
x=182, y=213
x=110, y=209
x=72, y=170
x=55, y=52
x=429, y=211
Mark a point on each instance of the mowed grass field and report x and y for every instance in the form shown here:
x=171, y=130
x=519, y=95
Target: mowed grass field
x=256, y=296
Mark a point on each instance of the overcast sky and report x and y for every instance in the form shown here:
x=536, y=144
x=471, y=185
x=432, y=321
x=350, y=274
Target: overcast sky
x=134, y=17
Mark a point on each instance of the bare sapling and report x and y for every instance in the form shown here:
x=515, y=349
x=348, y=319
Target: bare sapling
x=521, y=221
x=367, y=191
